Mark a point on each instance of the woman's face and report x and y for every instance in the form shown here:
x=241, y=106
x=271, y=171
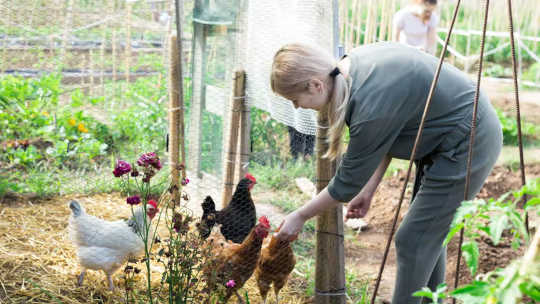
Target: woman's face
x=427, y=10
x=315, y=97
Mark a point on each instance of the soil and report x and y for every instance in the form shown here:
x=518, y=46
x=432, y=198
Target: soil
x=366, y=250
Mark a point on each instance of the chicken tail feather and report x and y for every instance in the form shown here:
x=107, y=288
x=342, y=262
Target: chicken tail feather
x=208, y=219
x=76, y=208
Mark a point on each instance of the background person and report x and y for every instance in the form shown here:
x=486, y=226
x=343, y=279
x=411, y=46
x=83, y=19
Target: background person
x=416, y=25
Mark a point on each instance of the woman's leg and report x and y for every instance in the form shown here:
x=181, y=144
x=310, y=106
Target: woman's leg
x=423, y=230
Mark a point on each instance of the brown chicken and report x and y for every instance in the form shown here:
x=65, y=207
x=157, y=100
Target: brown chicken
x=277, y=261
x=236, y=262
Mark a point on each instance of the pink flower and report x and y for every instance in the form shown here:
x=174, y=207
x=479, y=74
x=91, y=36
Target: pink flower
x=133, y=200
x=230, y=284
x=185, y=181
x=149, y=159
x=121, y=168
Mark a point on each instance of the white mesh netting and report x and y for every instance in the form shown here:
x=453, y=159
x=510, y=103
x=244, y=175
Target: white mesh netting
x=270, y=25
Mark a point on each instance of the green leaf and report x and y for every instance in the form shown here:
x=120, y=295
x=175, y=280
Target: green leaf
x=476, y=288
x=425, y=292
x=452, y=232
x=531, y=290
x=532, y=203
x=496, y=227
x=471, y=254
x=519, y=224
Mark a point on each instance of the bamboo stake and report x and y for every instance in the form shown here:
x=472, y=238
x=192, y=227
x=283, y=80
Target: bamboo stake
x=102, y=61
x=359, y=24
x=82, y=67
x=4, y=62
x=67, y=24
x=129, y=12
x=91, y=71
x=114, y=65
x=384, y=15
x=367, y=32
x=176, y=117
x=239, y=88
x=343, y=21
x=329, y=268
x=350, y=39
x=391, y=21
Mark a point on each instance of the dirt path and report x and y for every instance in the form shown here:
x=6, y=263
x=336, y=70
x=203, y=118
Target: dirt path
x=365, y=251
x=502, y=96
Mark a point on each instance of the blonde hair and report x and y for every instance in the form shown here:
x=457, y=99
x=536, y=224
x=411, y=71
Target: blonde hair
x=294, y=66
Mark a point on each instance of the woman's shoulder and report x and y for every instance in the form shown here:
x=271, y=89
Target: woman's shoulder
x=402, y=14
x=434, y=20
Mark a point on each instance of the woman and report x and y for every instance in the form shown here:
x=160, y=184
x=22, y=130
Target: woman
x=416, y=25
x=379, y=91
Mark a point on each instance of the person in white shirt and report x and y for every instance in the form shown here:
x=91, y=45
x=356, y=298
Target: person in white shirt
x=416, y=25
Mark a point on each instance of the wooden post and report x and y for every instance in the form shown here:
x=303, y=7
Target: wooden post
x=238, y=96
x=329, y=268
x=176, y=116
x=245, y=140
x=197, y=104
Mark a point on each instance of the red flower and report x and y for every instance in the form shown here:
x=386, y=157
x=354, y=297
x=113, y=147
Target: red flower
x=133, y=200
x=121, y=168
x=185, y=181
x=149, y=159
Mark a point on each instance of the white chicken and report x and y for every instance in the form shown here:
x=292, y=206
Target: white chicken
x=105, y=245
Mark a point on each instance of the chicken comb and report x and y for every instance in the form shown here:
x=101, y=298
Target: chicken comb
x=263, y=220
x=251, y=178
x=152, y=203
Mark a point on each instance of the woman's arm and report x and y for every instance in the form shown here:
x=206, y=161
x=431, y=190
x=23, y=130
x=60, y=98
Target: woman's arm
x=431, y=42
x=377, y=176
x=397, y=32
x=359, y=205
x=293, y=223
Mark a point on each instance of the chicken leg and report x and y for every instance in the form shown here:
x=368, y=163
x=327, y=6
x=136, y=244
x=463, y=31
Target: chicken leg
x=81, y=278
x=277, y=288
x=240, y=300
x=111, y=284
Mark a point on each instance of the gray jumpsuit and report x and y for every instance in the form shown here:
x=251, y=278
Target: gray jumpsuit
x=390, y=84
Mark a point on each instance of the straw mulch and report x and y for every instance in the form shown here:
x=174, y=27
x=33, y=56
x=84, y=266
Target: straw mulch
x=38, y=263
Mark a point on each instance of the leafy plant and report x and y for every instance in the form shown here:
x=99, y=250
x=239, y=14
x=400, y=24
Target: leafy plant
x=491, y=218
x=530, y=131
x=268, y=138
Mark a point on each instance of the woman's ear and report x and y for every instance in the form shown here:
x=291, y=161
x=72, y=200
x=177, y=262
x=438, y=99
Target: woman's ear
x=315, y=86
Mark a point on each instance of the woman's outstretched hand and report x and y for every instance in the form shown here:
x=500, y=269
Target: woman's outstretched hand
x=291, y=227
x=359, y=206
